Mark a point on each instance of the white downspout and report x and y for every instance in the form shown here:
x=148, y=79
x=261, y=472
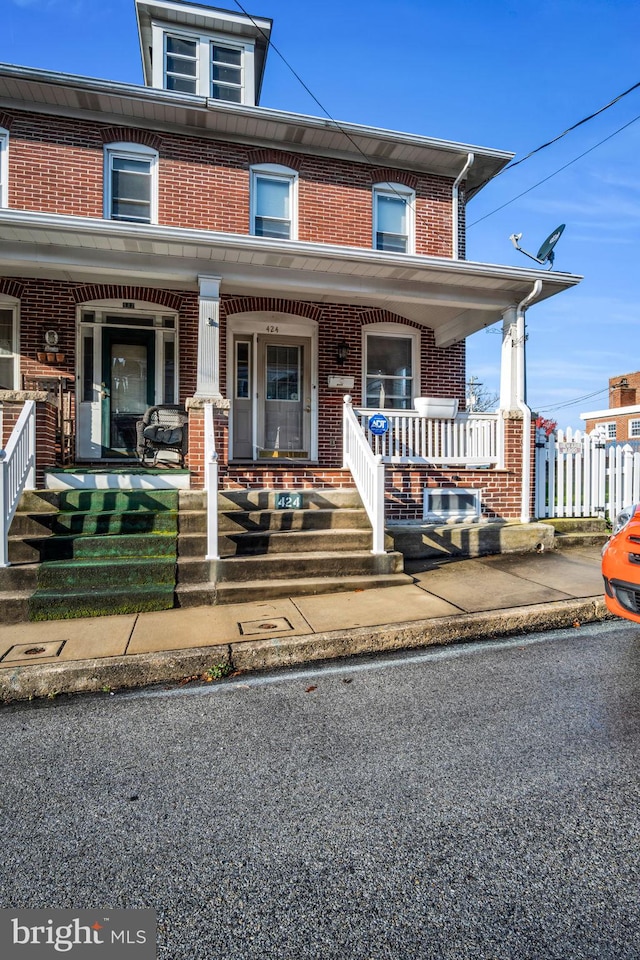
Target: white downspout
x=521, y=400
x=456, y=204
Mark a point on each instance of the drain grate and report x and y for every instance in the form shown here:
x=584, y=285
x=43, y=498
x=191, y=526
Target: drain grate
x=34, y=651
x=274, y=625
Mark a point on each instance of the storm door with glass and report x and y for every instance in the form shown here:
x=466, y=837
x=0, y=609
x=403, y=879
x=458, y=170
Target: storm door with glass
x=284, y=391
x=128, y=371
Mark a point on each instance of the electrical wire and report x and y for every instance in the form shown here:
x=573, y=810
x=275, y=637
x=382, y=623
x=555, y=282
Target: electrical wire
x=554, y=174
x=572, y=403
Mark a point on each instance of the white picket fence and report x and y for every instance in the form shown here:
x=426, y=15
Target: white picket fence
x=581, y=475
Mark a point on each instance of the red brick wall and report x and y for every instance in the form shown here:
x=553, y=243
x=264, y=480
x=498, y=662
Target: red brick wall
x=56, y=166
x=46, y=422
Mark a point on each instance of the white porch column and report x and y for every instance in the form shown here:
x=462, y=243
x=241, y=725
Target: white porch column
x=510, y=389
x=208, y=374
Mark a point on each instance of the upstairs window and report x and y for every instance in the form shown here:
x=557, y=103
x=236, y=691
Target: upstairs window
x=393, y=218
x=274, y=202
x=131, y=183
x=634, y=428
x=206, y=66
x=4, y=168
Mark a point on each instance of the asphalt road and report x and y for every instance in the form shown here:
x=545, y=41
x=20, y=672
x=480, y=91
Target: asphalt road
x=469, y=802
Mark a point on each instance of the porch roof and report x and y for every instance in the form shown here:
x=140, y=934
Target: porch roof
x=454, y=297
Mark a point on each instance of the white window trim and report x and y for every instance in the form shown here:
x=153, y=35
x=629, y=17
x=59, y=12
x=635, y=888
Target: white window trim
x=393, y=330
x=138, y=152
x=4, y=167
x=630, y=433
x=10, y=303
x=605, y=426
x=275, y=171
x=204, y=79
x=398, y=190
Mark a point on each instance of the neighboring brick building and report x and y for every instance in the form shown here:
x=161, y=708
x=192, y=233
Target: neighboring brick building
x=621, y=420
x=178, y=242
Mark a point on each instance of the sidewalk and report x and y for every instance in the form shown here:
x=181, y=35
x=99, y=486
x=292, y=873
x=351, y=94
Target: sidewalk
x=450, y=601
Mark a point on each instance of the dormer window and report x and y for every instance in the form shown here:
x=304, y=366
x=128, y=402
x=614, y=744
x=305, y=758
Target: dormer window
x=196, y=50
x=207, y=66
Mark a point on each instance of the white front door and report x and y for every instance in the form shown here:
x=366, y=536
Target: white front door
x=273, y=395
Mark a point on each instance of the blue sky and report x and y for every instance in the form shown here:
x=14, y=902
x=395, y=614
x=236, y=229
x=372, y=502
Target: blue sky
x=508, y=74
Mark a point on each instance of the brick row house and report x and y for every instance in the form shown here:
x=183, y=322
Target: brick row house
x=620, y=421
x=178, y=243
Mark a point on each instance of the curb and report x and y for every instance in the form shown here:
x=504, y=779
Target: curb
x=108, y=674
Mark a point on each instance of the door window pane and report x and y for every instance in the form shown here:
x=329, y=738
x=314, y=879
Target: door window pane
x=169, y=370
x=242, y=371
x=389, y=372
x=283, y=373
x=7, y=349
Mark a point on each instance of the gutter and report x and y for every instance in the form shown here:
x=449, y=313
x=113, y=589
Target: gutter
x=455, y=211
x=521, y=309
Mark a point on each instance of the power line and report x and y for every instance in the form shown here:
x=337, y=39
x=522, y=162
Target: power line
x=554, y=174
x=543, y=146
x=572, y=403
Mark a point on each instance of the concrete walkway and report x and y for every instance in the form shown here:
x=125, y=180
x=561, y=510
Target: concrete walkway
x=449, y=601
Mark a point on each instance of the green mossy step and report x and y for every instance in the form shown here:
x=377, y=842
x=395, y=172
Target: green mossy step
x=74, y=575
x=117, y=501
x=52, y=605
x=58, y=548
x=80, y=523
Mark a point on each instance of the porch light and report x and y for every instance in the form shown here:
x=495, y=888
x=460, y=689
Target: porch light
x=342, y=352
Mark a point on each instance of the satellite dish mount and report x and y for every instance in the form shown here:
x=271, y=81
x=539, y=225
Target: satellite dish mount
x=545, y=253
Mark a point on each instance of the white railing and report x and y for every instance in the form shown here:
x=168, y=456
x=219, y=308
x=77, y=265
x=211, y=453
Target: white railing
x=367, y=470
x=580, y=475
x=470, y=439
x=211, y=483
x=17, y=472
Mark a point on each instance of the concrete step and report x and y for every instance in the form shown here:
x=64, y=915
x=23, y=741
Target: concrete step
x=315, y=499
x=64, y=523
x=304, y=565
x=105, y=574
x=293, y=541
x=52, y=548
x=577, y=524
x=14, y=606
x=562, y=541
x=206, y=594
x=238, y=521
x=18, y=577
x=70, y=604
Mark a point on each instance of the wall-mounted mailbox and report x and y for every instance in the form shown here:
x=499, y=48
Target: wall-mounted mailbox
x=437, y=408
x=341, y=383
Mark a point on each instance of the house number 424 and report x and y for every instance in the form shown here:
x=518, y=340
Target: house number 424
x=271, y=329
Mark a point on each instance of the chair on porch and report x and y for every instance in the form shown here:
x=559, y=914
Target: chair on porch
x=163, y=427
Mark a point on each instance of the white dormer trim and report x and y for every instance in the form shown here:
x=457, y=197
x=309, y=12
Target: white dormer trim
x=204, y=41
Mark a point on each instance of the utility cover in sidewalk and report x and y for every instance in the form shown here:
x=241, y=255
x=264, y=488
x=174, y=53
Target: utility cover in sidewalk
x=267, y=625
x=34, y=651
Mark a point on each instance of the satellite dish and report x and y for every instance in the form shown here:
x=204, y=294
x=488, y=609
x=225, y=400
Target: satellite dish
x=545, y=253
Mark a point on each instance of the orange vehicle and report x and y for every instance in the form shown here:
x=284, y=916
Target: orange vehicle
x=621, y=565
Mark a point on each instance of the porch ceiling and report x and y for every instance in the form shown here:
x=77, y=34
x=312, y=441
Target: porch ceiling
x=453, y=297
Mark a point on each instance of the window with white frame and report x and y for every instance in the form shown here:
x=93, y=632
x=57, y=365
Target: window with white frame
x=274, y=202
x=634, y=428
x=390, y=357
x=8, y=347
x=131, y=183
x=609, y=429
x=205, y=65
x=4, y=167
x=393, y=218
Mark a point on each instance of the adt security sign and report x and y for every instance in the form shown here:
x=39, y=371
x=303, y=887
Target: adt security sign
x=378, y=424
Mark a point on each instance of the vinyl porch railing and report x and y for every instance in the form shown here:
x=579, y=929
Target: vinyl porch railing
x=367, y=470
x=211, y=483
x=467, y=440
x=17, y=472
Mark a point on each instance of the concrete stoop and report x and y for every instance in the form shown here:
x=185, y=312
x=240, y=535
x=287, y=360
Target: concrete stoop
x=267, y=553
x=424, y=541
x=578, y=531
